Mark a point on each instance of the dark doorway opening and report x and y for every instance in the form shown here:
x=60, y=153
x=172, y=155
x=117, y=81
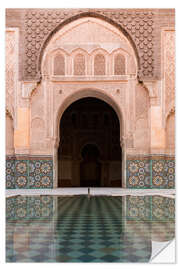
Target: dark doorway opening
x=89, y=153
x=90, y=167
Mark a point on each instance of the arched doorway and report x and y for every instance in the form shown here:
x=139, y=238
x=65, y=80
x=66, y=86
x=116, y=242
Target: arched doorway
x=89, y=140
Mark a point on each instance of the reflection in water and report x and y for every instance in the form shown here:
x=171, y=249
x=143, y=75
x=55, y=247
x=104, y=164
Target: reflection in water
x=78, y=229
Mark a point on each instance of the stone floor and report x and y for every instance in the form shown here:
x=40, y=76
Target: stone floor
x=93, y=192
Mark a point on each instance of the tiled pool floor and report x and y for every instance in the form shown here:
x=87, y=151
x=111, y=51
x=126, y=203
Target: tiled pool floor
x=82, y=229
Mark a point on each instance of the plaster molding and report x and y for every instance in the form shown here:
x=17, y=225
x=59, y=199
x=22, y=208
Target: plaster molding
x=28, y=88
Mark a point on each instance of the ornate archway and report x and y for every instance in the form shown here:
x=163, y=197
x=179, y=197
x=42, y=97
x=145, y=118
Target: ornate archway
x=89, y=152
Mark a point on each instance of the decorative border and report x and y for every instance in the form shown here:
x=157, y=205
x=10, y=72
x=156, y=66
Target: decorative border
x=153, y=172
x=29, y=173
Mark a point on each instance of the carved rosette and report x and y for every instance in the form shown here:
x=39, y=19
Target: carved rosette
x=39, y=24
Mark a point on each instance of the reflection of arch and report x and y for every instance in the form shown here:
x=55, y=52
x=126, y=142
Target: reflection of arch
x=88, y=14
x=81, y=93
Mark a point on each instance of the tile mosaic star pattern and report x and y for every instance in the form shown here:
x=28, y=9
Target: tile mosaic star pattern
x=142, y=173
x=10, y=173
x=29, y=173
x=80, y=230
x=151, y=173
x=138, y=174
x=163, y=173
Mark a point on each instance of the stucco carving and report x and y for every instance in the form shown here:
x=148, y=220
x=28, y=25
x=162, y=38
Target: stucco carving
x=40, y=24
x=11, y=69
x=99, y=64
x=169, y=68
x=79, y=64
x=141, y=136
x=59, y=65
x=119, y=64
x=141, y=101
x=153, y=88
x=27, y=89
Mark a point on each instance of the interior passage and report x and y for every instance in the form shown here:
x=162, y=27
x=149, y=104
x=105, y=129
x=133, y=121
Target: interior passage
x=89, y=153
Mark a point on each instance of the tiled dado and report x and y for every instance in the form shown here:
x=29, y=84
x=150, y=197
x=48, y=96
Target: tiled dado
x=29, y=173
x=150, y=172
x=25, y=208
x=155, y=208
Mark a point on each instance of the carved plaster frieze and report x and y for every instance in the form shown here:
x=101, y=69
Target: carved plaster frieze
x=41, y=24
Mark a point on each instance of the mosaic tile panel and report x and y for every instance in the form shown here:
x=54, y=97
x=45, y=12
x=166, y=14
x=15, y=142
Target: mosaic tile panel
x=138, y=207
x=21, y=173
x=29, y=208
x=163, y=208
x=163, y=173
x=40, y=174
x=10, y=173
x=150, y=208
x=151, y=173
x=29, y=173
x=138, y=174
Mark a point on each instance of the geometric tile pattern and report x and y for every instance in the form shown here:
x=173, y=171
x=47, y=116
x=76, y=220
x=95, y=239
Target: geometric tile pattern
x=40, y=174
x=138, y=207
x=151, y=173
x=29, y=208
x=10, y=173
x=163, y=173
x=29, y=173
x=138, y=173
x=163, y=208
x=80, y=230
x=150, y=208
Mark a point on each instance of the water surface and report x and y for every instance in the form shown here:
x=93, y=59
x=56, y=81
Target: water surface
x=78, y=229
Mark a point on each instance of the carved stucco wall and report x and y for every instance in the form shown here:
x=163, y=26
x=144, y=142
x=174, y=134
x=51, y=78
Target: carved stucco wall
x=39, y=24
x=169, y=69
x=132, y=98
x=142, y=129
x=11, y=69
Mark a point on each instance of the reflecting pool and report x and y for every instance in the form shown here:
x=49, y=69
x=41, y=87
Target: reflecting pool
x=82, y=229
